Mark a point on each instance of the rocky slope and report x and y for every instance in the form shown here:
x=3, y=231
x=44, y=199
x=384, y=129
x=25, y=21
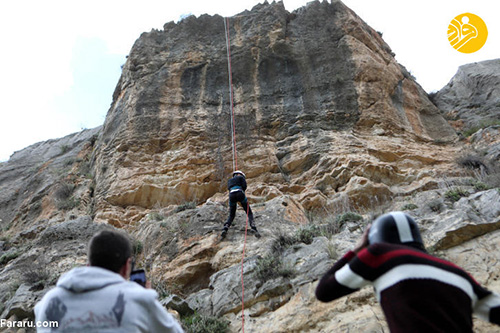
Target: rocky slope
x=331, y=131
x=473, y=95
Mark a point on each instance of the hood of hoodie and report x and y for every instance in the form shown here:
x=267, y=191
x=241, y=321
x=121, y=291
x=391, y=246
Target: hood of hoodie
x=82, y=279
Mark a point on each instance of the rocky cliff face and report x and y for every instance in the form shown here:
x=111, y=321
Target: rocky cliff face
x=473, y=95
x=331, y=131
x=311, y=89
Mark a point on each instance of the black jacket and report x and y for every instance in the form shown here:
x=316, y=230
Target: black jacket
x=417, y=292
x=237, y=181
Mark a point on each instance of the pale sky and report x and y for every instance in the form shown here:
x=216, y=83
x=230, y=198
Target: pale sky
x=61, y=59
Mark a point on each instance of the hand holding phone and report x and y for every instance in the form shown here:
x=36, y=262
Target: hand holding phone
x=139, y=276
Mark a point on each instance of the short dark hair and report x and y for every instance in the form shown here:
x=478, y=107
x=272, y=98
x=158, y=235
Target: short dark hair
x=109, y=249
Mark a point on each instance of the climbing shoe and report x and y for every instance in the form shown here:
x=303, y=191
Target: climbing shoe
x=223, y=234
x=255, y=232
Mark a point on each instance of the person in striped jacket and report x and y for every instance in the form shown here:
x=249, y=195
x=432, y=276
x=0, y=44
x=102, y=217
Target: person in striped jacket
x=417, y=291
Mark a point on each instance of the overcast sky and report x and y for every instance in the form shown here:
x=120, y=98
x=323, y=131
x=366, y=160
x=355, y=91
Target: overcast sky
x=62, y=59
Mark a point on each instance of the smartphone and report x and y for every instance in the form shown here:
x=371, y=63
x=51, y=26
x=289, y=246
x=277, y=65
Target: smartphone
x=139, y=276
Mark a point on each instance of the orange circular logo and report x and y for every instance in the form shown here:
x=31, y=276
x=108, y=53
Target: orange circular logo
x=467, y=33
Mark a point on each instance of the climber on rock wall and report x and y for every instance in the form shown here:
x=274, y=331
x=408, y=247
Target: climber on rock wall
x=237, y=186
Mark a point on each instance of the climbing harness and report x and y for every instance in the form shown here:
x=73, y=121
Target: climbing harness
x=235, y=162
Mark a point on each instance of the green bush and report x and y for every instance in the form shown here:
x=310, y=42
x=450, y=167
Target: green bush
x=186, y=206
x=138, y=247
x=486, y=123
x=6, y=257
x=455, y=194
x=306, y=234
x=283, y=242
x=271, y=266
x=198, y=323
x=349, y=217
x=64, y=149
x=479, y=186
x=156, y=216
x=409, y=206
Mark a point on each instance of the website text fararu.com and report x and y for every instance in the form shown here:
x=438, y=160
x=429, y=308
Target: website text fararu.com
x=23, y=324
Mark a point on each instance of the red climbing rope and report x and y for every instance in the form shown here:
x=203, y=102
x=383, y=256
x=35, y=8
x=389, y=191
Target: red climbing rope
x=235, y=164
x=233, y=127
x=242, y=281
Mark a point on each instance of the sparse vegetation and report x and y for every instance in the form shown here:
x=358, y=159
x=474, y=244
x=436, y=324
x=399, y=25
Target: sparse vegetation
x=6, y=257
x=331, y=250
x=492, y=179
x=435, y=205
x=156, y=216
x=160, y=287
x=138, y=247
x=326, y=226
x=282, y=242
x=64, y=191
x=409, y=206
x=68, y=204
x=13, y=286
x=271, y=266
x=486, y=173
x=478, y=185
x=472, y=161
x=69, y=162
x=198, y=323
x=64, y=149
x=85, y=169
x=348, y=217
x=186, y=206
x=64, y=196
x=36, y=274
x=455, y=194
x=5, y=238
x=486, y=123
x=306, y=234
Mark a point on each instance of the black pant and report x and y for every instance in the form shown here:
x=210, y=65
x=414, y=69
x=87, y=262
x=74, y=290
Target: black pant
x=234, y=198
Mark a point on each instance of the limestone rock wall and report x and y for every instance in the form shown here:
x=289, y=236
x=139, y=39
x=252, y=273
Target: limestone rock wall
x=311, y=89
x=43, y=176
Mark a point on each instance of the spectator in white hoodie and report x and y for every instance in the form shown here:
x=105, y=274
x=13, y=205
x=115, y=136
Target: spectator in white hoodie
x=99, y=297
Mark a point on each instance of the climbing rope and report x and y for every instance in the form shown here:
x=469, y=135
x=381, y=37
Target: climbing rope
x=233, y=127
x=235, y=163
x=242, y=281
